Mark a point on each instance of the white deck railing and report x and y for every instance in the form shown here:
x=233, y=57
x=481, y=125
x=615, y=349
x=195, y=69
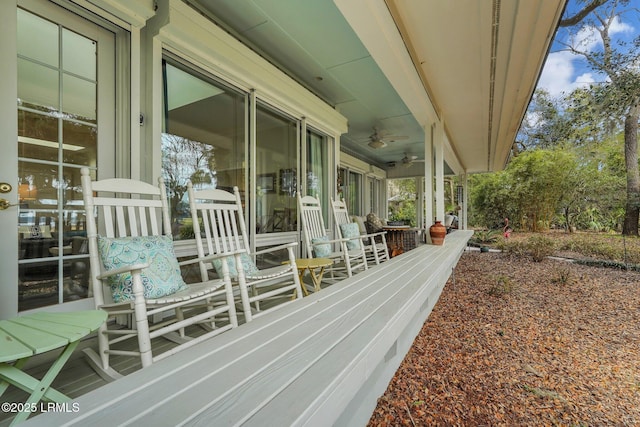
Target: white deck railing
x=322, y=361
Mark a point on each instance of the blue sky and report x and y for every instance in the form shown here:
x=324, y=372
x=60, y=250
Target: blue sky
x=564, y=71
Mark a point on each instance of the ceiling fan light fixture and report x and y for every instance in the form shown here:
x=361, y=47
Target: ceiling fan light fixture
x=377, y=143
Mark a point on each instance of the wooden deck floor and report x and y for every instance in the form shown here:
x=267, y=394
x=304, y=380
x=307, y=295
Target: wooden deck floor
x=78, y=379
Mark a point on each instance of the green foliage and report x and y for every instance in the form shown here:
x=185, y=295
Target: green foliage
x=539, y=247
x=563, y=276
x=544, y=125
x=483, y=237
x=513, y=247
x=402, y=204
x=567, y=186
x=502, y=285
x=603, y=246
x=529, y=191
x=609, y=264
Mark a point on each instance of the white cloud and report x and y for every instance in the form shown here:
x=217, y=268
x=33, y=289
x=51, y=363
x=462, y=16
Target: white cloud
x=618, y=27
x=559, y=74
x=587, y=39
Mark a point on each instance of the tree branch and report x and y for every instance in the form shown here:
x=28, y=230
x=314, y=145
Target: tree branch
x=581, y=14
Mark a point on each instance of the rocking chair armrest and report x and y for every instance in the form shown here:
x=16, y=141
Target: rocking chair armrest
x=373, y=235
x=115, y=306
x=126, y=269
x=211, y=257
x=276, y=248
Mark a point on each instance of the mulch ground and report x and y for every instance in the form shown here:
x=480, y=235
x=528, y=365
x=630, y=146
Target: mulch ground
x=517, y=343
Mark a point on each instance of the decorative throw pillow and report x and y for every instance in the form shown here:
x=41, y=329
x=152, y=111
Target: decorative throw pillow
x=360, y=221
x=351, y=231
x=374, y=224
x=248, y=266
x=161, y=278
x=321, y=250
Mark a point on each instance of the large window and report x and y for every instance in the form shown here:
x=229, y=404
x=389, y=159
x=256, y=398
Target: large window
x=208, y=139
x=276, y=171
x=203, y=140
x=350, y=188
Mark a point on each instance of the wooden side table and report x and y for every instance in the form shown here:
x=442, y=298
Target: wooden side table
x=26, y=336
x=315, y=266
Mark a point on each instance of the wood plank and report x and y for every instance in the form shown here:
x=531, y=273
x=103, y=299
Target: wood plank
x=297, y=351
x=289, y=367
x=12, y=349
x=37, y=341
x=88, y=319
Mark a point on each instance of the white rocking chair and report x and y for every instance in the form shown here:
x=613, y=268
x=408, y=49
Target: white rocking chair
x=376, y=252
x=129, y=221
x=220, y=213
x=346, y=261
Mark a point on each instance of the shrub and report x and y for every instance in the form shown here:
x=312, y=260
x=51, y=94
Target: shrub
x=563, y=276
x=483, y=237
x=513, y=247
x=501, y=286
x=540, y=247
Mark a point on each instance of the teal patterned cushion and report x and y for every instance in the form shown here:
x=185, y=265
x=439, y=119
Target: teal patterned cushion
x=248, y=266
x=321, y=251
x=161, y=278
x=351, y=231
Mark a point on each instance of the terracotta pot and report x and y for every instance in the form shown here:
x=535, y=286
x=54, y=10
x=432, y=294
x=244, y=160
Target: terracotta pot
x=437, y=232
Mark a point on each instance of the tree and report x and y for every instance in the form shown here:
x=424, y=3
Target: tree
x=533, y=189
x=402, y=200
x=621, y=94
x=544, y=125
x=184, y=160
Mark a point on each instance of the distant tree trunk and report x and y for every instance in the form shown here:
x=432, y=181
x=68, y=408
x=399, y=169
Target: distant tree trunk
x=632, y=210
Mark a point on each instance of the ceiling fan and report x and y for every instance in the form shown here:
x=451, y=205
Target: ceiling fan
x=379, y=139
x=407, y=160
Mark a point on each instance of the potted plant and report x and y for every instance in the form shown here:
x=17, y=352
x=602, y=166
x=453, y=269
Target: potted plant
x=482, y=238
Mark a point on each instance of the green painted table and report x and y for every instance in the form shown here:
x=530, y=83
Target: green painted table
x=36, y=333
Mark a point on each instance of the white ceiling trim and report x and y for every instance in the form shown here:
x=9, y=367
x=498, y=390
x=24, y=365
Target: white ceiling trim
x=135, y=13
x=374, y=25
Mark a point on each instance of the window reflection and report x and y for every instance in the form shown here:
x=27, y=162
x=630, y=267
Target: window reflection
x=276, y=156
x=350, y=188
x=318, y=169
x=203, y=140
x=57, y=135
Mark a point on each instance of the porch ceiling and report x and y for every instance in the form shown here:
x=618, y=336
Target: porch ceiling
x=378, y=62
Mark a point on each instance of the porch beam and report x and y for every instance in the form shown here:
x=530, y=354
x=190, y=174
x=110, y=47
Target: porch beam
x=428, y=175
x=438, y=149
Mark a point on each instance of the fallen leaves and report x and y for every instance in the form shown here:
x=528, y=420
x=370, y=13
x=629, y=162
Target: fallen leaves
x=559, y=346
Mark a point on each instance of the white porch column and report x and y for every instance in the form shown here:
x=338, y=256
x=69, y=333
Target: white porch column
x=421, y=222
x=438, y=148
x=465, y=201
x=428, y=176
